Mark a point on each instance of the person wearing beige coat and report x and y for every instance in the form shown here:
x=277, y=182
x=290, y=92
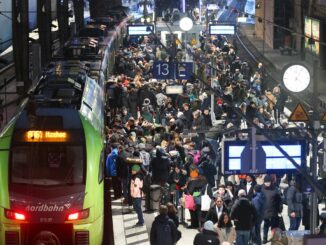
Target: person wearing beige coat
x=225, y=230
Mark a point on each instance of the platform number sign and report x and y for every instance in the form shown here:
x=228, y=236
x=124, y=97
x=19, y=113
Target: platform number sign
x=184, y=70
x=163, y=70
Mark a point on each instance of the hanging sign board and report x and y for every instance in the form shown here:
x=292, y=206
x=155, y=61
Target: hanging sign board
x=299, y=114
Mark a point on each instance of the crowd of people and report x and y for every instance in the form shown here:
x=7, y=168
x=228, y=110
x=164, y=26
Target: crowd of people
x=155, y=138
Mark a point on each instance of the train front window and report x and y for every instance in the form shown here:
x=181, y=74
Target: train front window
x=47, y=164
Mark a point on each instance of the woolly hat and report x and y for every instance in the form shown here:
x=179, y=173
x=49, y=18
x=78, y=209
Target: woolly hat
x=209, y=226
x=135, y=168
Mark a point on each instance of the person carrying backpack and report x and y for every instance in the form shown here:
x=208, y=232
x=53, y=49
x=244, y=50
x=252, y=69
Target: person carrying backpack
x=164, y=231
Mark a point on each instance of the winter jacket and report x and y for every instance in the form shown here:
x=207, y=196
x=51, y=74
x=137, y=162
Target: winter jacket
x=244, y=214
x=196, y=185
x=160, y=167
x=259, y=203
x=212, y=214
x=209, y=171
x=250, y=193
x=206, y=238
x=228, y=236
x=294, y=201
x=273, y=202
x=189, y=118
x=122, y=166
x=132, y=99
x=111, y=164
x=136, y=186
x=163, y=231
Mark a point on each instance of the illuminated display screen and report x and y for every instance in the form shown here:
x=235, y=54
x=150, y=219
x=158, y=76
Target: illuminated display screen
x=221, y=29
x=273, y=160
x=140, y=30
x=312, y=29
x=45, y=136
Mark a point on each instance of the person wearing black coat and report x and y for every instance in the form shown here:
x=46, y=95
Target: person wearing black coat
x=259, y=203
x=187, y=112
x=244, y=215
x=160, y=167
x=209, y=171
x=196, y=184
x=145, y=93
x=273, y=205
x=216, y=211
x=123, y=172
x=159, y=234
x=248, y=186
x=208, y=236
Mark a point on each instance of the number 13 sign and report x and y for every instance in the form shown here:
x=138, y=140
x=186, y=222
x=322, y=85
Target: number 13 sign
x=163, y=70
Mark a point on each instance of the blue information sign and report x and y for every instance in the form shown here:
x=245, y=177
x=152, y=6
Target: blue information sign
x=163, y=70
x=238, y=159
x=184, y=70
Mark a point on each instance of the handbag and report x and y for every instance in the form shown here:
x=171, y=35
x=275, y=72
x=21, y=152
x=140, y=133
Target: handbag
x=197, y=197
x=281, y=224
x=190, y=202
x=205, y=201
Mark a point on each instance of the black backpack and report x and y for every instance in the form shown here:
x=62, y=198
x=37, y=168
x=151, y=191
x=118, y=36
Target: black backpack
x=164, y=233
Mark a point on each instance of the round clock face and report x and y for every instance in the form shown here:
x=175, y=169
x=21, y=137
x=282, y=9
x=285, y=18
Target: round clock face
x=296, y=78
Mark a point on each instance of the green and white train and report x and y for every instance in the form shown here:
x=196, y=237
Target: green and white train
x=52, y=153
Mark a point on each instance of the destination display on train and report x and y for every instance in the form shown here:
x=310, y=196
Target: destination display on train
x=46, y=136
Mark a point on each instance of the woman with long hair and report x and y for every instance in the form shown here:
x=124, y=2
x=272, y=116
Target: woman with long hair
x=225, y=230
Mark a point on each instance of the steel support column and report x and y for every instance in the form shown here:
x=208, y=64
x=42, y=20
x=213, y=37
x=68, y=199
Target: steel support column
x=44, y=26
x=79, y=14
x=20, y=34
x=63, y=22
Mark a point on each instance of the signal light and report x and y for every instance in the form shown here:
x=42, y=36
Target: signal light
x=14, y=215
x=83, y=214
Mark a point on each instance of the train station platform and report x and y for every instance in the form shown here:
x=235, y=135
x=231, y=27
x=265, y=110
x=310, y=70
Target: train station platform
x=124, y=218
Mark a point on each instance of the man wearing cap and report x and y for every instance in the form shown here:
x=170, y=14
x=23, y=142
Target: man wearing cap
x=208, y=236
x=136, y=186
x=273, y=206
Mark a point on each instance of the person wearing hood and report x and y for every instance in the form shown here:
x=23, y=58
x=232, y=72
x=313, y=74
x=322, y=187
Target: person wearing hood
x=136, y=186
x=208, y=236
x=163, y=231
x=273, y=206
x=160, y=167
x=259, y=203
